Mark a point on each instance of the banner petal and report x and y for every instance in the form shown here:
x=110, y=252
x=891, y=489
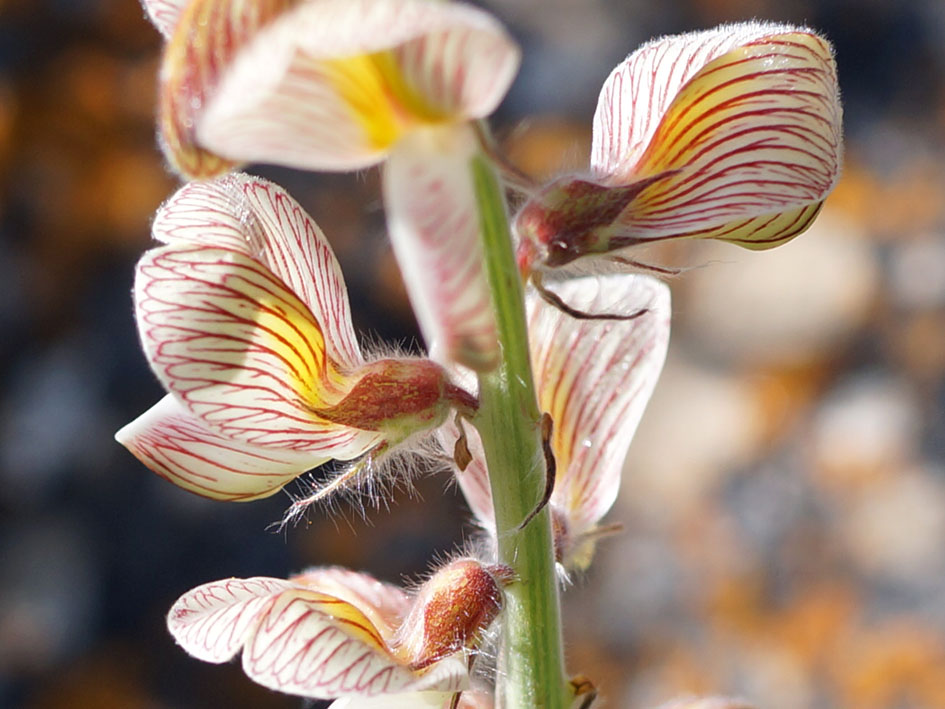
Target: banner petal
x=241, y=351
x=336, y=83
x=212, y=621
x=743, y=121
x=595, y=378
x=260, y=219
x=434, y=230
x=384, y=604
x=176, y=445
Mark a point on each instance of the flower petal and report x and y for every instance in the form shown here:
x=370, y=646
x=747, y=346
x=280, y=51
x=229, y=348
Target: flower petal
x=176, y=445
x=332, y=85
x=743, y=121
x=212, y=621
x=165, y=13
x=259, y=218
x=206, y=36
x=319, y=646
x=434, y=230
x=384, y=604
x=241, y=351
x=595, y=377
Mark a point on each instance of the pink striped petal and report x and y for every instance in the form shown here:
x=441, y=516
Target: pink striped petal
x=241, y=351
x=212, y=621
x=206, y=36
x=176, y=445
x=595, y=377
x=384, y=604
x=257, y=217
x=333, y=84
x=732, y=134
x=165, y=13
x=434, y=230
x=319, y=646
x=744, y=121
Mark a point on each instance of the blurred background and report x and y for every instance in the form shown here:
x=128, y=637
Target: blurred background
x=784, y=501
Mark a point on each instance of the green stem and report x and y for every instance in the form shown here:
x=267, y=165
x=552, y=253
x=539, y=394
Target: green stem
x=531, y=671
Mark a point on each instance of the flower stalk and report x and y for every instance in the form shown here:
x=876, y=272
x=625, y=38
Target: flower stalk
x=531, y=657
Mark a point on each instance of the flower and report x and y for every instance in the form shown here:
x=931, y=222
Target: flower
x=344, y=85
x=243, y=315
x=594, y=378
x=732, y=134
x=330, y=632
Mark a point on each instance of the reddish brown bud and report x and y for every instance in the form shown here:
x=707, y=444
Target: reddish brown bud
x=451, y=611
x=399, y=397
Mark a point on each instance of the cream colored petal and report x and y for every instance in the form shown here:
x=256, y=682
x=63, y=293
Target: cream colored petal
x=594, y=378
x=319, y=646
x=434, y=228
x=334, y=84
x=240, y=351
x=212, y=621
x=384, y=604
x=176, y=445
x=257, y=217
x=743, y=122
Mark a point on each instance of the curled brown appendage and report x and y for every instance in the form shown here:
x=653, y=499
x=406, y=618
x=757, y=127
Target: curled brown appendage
x=551, y=467
x=461, y=455
x=646, y=267
x=585, y=692
x=555, y=301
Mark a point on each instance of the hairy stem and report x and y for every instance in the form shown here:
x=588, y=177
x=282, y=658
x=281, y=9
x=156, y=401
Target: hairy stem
x=531, y=671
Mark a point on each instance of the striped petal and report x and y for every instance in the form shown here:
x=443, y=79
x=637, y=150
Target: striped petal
x=318, y=646
x=743, y=120
x=241, y=351
x=212, y=621
x=207, y=35
x=434, y=229
x=385, y=605
x=165, y=14
x=595, y=378
x=732, y=134
x=334, y=84
x=176, y=445
x=257, y=217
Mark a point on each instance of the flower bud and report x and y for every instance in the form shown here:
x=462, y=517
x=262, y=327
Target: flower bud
x=399, y=397
x=451, y=611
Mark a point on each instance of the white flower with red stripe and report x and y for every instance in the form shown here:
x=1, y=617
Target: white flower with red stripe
x=244, y=317
x=732, y=134
x=330, y=632
x=594, y=378
x=344, y=85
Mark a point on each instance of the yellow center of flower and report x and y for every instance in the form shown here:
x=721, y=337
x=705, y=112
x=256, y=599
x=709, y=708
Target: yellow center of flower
x=381, y=97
